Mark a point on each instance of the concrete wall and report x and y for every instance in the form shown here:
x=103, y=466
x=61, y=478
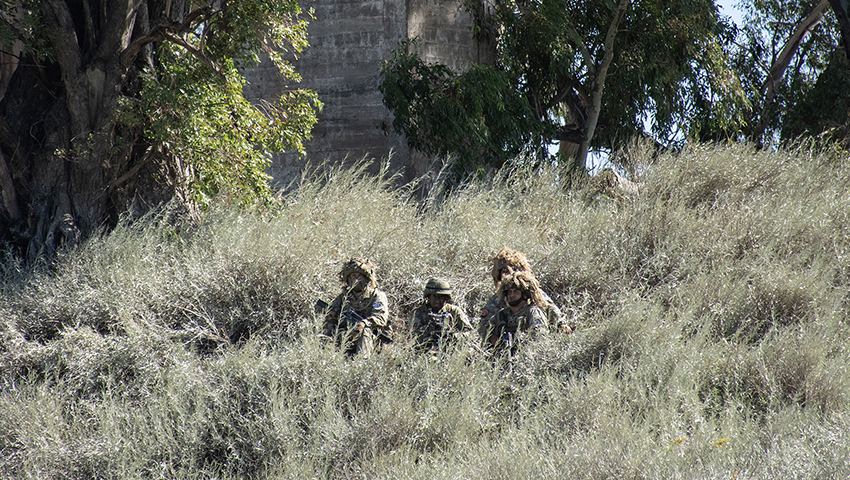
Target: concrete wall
x=348, y=41
x=444, y=30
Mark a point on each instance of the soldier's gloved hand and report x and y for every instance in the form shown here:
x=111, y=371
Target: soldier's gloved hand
x=357, y=332
x=326, y=335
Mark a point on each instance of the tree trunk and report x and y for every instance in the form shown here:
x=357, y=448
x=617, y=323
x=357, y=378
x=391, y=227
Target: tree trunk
x=777, y=70
x=842, y=12
x=598, y=83
x=62, y=149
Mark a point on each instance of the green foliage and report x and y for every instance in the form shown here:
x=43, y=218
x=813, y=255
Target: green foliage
x=21, y=21
x=201, y=116
x=798, y=107
x=187, y=111
x=476, y=116
x=669, y=64
x=710, y=317
x=245, y=29
x=206, y=122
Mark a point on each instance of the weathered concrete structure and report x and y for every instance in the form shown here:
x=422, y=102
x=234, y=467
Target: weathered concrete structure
x=348, y=41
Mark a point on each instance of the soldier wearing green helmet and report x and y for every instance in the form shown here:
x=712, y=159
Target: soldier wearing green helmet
x=437, y=323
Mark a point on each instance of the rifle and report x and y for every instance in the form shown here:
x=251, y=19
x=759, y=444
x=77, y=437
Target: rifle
x=507, y=338
x=352, y=318
x=321, y=307
x=437, y=323
x=348, y=319
x=430, y=333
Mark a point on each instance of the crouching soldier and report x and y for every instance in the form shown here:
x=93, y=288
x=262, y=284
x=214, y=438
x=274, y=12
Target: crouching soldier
x=359, y=315
x=507, y=262
x=522, y=316
x=437, y=323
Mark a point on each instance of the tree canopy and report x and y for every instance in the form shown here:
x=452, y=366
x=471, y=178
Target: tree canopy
x=586, y=74
x=788, y=56
x=594, y=75
x=113, y=106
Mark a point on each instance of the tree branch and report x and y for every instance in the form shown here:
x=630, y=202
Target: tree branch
x=63, y=36
x=585, y=53
x=196, y=52
x=130, y=173
x=599, y=83
x=170, y=30
x=791, y=45
x=777, y=70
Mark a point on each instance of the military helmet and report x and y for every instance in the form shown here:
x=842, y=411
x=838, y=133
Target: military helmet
x=437, y=286
x=360, y=265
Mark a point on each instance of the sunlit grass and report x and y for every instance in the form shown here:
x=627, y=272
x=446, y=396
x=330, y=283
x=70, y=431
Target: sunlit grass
x=710, y=314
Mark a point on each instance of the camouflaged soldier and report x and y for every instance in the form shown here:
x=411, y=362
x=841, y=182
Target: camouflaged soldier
x=360, y=313
x=522, y=317
x=437, y=323
x=507, y=262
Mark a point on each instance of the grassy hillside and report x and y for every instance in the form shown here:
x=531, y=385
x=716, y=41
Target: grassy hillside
x=710, y=314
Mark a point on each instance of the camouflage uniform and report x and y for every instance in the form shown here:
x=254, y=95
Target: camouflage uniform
x=349, y=308
x=530, y=319
x=435, y=331
x=553, y=314
x=505, y=326
x=508, y=262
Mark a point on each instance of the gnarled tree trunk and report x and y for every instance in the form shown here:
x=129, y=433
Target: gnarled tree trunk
x=65, y=159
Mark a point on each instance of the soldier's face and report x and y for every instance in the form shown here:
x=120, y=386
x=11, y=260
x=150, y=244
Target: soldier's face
x=437, y=302
x=357, y=282
x=514, y=297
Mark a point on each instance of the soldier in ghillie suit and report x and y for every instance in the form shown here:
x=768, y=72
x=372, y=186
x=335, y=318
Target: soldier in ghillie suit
x=522, y=315
x=359, y=315
x=505, y=263
x=437, y=323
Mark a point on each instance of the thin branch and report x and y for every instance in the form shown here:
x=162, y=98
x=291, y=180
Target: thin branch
x=791, y=46
x=130, y=173
x=755, y=56
x=196, y=52
x=155, y=35
x=599, y=83
x=170, y=30
x=586, y=56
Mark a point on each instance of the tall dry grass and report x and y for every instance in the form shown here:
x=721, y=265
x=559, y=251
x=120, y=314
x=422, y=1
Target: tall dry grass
x=710, y=313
